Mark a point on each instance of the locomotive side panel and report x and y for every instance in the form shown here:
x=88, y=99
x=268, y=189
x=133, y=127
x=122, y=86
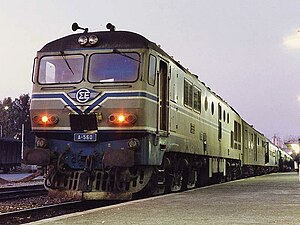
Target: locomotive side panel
x=203, y=121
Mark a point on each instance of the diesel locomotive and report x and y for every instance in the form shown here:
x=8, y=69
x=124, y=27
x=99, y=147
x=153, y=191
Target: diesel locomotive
x=114, y=115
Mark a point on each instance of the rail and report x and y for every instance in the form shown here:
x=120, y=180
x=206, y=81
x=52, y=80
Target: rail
x=34, y=214
x=22, y=192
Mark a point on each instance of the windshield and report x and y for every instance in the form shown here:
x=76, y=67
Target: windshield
x=61, y=69
x=114, y=67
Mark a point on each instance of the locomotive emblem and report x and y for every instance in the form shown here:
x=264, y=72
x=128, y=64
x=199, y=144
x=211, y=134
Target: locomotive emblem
x=83, y=95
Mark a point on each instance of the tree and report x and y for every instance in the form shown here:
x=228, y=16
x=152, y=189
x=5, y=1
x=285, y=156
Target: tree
x=6, y=118
x=14, y=115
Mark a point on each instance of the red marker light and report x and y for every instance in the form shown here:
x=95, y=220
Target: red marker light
x=122, y=119
x=45, y=120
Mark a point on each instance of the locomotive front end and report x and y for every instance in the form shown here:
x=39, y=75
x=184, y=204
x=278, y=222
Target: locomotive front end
x=89, y=114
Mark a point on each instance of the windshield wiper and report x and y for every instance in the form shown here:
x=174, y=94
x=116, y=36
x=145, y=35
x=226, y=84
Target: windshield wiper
x=125, y=55
x=66, y=61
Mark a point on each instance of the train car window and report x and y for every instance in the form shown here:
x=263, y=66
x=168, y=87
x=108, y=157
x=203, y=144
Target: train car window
x=232, y=139
x=220, y=111
x=114, y=67
x=33, y=69
x=185, y=93
x=152, y=70
x=206, y=103
x=224, y=116
x=227, y=117
x=173, y=85
x=212, y=108
x=188, y=94
x=219, y=130
x=197, y=100
x=237, y=135
x=61, y=69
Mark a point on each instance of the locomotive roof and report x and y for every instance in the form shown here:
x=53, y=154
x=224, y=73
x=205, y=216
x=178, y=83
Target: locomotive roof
x=108, y=39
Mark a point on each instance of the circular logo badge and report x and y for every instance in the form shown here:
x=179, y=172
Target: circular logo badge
x=83, y=95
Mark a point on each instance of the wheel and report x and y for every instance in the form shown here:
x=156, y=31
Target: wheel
x=156, y=184
x=176, y=181
x=192, y=179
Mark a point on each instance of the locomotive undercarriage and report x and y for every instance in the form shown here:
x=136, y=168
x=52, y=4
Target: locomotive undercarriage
x=180, y=172
x=115, y=183
x=256, y=170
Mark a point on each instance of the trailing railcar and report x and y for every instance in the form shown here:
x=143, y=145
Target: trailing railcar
x=273, y=155
x=10, y=154
x=255, y=150
x=285, y=161
x=260, y=155
x=115, y=115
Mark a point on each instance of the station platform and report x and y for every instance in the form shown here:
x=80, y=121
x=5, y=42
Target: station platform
x=17, y=176
x=268, y=199
x=20, y=179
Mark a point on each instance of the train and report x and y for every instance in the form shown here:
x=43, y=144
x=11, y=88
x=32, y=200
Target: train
x=116, y=117
x=10, y=154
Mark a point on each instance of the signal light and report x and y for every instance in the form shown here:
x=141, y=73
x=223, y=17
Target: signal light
x=93, y=39
x=46, y=120
x=122, y=119
x=83, y=40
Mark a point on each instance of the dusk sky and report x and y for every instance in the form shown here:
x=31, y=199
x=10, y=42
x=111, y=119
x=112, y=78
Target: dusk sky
x=247, y=51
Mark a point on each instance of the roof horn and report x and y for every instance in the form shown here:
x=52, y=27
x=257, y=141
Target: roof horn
x=110, y=27
x=75, y=27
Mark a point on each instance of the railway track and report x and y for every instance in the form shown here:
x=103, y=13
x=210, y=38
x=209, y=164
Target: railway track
x=22, y=192
x=34, y=214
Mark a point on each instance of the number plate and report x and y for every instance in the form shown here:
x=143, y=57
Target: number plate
x=84, y=137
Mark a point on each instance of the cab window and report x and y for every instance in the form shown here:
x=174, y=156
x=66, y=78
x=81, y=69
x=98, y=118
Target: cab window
x=114, y=67
x=61, y=69
x=152, y=70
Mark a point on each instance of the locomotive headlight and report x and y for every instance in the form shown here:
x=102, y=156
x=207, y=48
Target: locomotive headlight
x=45, y=119
x=93, y=39
x=83, y=40
x=122, y=119
x=133, y=143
